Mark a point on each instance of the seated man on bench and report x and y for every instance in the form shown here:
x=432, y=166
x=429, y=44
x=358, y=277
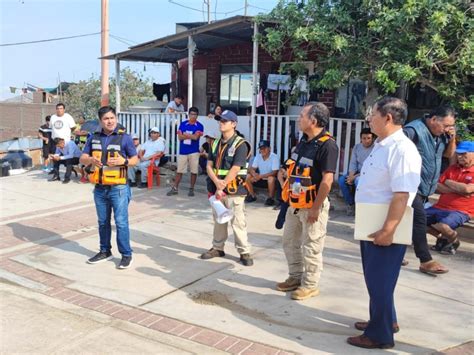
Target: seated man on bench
x=263, y=173
x=153, y=146
x=348, y=182
x=456, y=202
x=67, y=154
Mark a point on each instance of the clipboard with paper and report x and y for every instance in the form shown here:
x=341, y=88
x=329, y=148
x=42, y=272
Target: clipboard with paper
x=369, y=218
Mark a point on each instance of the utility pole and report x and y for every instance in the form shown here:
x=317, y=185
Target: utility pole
x=208, y=3
x=245, y=7
x=104, y=79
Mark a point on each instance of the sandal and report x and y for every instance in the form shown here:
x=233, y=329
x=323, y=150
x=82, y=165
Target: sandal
x=453, y=238
x=451, y=248
x=440, y=244
x=433, y=268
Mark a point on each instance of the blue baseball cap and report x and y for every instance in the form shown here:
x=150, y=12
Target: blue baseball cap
x=227, y=115
x=264, y=143
x=465, y=147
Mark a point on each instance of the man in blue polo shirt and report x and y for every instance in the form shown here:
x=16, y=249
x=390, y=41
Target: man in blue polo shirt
x=189, y=133
x=109, y=152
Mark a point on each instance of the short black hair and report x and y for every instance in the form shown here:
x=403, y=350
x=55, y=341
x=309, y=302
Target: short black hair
x=58, y=139
x=320, y=112
x=194, y=109
x=106, y=109
x=47, y=118
x=179, y=96
x=394, y=106
x=366, y=131
x=61, y=104
x=443, y=111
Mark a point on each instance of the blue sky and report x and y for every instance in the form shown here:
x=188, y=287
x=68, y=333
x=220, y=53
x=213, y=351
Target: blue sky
x=136, y=21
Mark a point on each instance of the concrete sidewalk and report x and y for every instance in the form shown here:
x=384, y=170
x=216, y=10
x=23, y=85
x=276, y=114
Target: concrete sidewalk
x=50, y=229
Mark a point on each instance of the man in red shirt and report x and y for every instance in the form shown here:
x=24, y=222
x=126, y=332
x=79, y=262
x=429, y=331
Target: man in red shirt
x=456, y=202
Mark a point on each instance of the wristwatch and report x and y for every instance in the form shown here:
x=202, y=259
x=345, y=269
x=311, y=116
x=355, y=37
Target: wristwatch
x=125, y=162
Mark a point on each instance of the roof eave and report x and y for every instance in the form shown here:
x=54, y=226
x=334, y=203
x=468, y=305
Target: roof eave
x=178, y=36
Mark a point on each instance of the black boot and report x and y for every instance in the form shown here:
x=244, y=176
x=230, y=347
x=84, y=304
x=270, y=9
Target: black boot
x=55, y=178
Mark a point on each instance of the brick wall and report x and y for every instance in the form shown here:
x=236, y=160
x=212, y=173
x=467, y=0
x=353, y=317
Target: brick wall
x=240, y=54
x=22, y=120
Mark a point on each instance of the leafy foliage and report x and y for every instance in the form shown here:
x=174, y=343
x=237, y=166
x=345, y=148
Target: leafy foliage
x=83, y=99
x=427, y=42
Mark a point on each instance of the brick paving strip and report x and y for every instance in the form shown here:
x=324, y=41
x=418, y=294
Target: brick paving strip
x=57, y=288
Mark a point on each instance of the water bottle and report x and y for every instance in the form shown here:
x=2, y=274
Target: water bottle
x=296, y=187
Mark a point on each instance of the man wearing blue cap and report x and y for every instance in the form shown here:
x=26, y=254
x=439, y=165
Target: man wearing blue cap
x=226, y=173
x=263, y=173
x=456, y=202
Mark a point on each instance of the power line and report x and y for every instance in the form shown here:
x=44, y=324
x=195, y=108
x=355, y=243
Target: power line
x=230, y=12
x=259, y=8
x=202, y=11
x=186, y=7
x=128, y=43
x=48, y=40
x=126, y=39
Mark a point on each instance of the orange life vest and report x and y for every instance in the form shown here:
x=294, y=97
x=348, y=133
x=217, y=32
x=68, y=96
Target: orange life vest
x=299, y=178
x=107, y=175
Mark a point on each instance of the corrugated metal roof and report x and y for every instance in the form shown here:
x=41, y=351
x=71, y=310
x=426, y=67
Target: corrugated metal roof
x=171, y=48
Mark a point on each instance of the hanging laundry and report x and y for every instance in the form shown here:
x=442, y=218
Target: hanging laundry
x=260, y=98
x=161, y=90
x=301, y=84
x=278, y=82
x=261, y=103
x=263, y=82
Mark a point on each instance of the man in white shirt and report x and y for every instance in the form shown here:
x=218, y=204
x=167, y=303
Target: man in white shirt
x=263, y=173
x=390, y=176
x=62, y=123
x=176, y=105
x=136, y=142
x=151, y=148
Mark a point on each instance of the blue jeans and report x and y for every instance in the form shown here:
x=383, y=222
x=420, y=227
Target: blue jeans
x=454, y=219
x=347, y=191
x=116, y=198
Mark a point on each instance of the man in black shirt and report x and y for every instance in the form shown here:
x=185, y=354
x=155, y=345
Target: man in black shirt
x=305, y=228
x=44, y=133
x=204, y=151
x=227, y=170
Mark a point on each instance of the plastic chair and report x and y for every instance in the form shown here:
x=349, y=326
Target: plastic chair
x=152, y=168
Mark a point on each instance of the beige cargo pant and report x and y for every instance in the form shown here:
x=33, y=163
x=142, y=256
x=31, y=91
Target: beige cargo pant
x=238, y=223
x=303, y=245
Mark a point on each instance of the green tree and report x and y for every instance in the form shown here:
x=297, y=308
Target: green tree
x=83, y=98
x=388, y=43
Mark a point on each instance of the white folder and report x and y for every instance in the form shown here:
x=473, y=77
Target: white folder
x=369, y=218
